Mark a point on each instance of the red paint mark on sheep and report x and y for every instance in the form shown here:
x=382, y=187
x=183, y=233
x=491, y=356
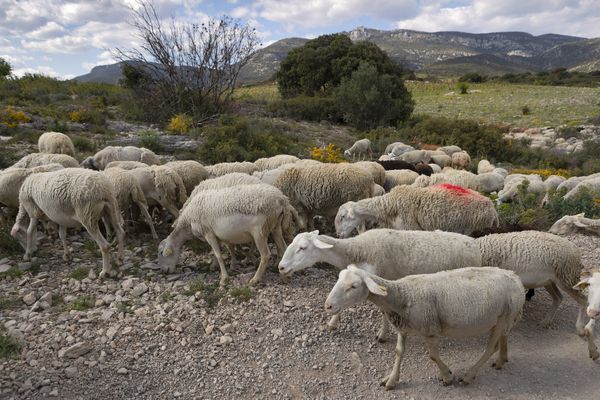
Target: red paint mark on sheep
x=458, y=190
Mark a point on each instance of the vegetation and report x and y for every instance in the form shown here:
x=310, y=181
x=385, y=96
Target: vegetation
x=82, y=303
x=5, y=68
x=9, y=345
x=79, y=273
x=328, y=154
x=13, y=272
x=8, y=244
x=150, y=140
x=208, y=291
x=180, y=124
x=242, y=294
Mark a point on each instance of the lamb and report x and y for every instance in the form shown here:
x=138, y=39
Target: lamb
x=37, y=159
x=416, y=156
x=541, y=259
x=70, y=197
x=449, y=149
x=484, y=166
x=488, y=182
x=461, y=160
x=233, y=215
x=589, y=185
x=221, y=169
x=442, y=160
x=321, y=189
x=55, y=143
x=446, y=207
x=574, y=224
x=191, y=173
x=373, y=168
x=399, y=177
x=591, y=283
x=360, y=148
x=161, y=185
x=462, y=302
x=102, y=158
x=275, y=162
x=128, y=191
x=389, y=165
x=391, y=254
x=399, y=150
x=128, y=165
x=511, y=187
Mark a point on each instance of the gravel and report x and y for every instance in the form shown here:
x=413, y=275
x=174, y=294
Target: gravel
x=147, y=336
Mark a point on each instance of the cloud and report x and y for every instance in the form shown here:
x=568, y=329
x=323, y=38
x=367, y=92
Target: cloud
x=42, y=69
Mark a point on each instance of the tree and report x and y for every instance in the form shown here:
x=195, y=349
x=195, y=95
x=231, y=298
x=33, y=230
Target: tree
x=369, y=99
x=185, y=67
x=5, y=68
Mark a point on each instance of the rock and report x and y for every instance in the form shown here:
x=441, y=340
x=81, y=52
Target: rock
x=77, y=350
x=71, y=372
x=127, y=284
x=209, y=329
x=53, y=393
x=29, y=298
x=4, y=267
x=24, y=266
x=150, y=265
x=226, y=328
x=139, y=290
x=112, y=331
x=92, y=274
x=225, y=340
x=122, y=371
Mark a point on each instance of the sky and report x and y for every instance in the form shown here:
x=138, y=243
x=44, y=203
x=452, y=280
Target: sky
x=66, y=38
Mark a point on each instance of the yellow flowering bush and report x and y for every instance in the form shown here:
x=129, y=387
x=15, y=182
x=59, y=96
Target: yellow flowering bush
x=11, y=118
x=544, y=173
x=328, y=154
x=180, y=123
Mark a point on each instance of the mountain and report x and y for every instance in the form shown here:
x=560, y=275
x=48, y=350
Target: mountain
x=444, y=53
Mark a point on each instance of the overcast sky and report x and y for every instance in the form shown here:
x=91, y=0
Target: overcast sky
x=66, y=38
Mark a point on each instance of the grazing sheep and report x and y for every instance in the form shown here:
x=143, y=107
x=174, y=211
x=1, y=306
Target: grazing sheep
x=435, y=168
x=37, y=159
x=12, y=179
x=416, y=156
x=501, y=171
x=373, y=168
x=442, y=160
x=488, y=182
x=225, y=168
x=55, y=143
x=465, y=179
x=552, y=182
x=191, y=173
x=390, y=165
x=591, y=282
x=128, y=192
x=233, y=215
x=575, y=224
x=391, y=254
x=399, y=150
x=461, y=160
x=378, y=190
x=449, y=149
x=484, y=166
x=589, y=185
x=275, y=162
x=384, y=157
x=71, y=197
x=228, y=180
x=102, y=158
x=390, y=147
x=423, y=169
x=399, y=177
x=445, y=207
x=161, y=185
x=511, y=187
x=541, y=260
x=321, y=189
x=360, y=148
x=462, y=302
x=128, y=165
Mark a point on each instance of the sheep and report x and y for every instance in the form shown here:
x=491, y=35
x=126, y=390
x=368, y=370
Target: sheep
x=465, y=179
x=275, y=162
x=221, y=169
x=360, y=148
x=575, y=223
x=102, y=158
x=501, y=171
x=384, y=157
x=228, y=180
x=511, y=187
x=191, y=173
x=446, y=207
x=378, y=190
x=552, y=182
x=70, y=197
x=161, y=185
x=484, y=166
x=488, y=182
x=390, y=147
x=449, y=149
x=126, y=165
x=12, y=179
x=321, y=189
x=442, y=160
x=55, y=143
x=389, y=165
x=399, y=150
x=398, y=177
x=233, y=215
x=589, y=185
x=392, y=255
x=591, y=283
x=373, y=168
x=461, y=160
x=37, y=159
x=463, y=302
x=416, y=156
x=541, y=259
x=435, y=169
x=423, y=169
x=128, y=191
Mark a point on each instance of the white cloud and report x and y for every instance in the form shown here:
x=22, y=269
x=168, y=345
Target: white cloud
x=42, y=69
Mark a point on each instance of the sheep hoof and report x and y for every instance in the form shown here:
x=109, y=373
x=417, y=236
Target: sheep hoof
x=499, y=364
x=254, y=282
x=594, y=355
x=466, y=380
x=447, y=381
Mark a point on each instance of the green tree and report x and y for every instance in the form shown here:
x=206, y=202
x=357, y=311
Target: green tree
x=369, y=98
x=5, y=68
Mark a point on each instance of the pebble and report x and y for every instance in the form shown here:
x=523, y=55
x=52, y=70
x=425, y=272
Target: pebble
x=225, y=340
x=29, y=298
x=4, y=267
x=77, y=350
x=122, y=371
x=139, y=290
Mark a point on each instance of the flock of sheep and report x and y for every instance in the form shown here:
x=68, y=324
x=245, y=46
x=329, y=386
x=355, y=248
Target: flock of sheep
x=413, y=211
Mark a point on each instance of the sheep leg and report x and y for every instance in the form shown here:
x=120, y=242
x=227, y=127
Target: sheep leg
x=62, y=233
x=148, y=219
x=31, y=230
x=106, y=227
x=432, y=344
x=334, y=322
x=580, y=324
x=265, y=255
x=383, y=329
x=310, y=221
x=503, y=356
x=94, y=231
x=232, y=259
x=279, y=241
x=589, y=334
x=392, y=379
x=214, y=244
x=556, y=300
x=491, y=348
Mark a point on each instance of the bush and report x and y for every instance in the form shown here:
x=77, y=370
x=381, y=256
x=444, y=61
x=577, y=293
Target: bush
x=83, y=144
x=180, y=124
x=11, y=118
x=327, y=154
x=473, y=77
x=88, y=115
x=150, y=140
x=544, y=173
x=462, y=88
x=307, y=108
x=525, y=110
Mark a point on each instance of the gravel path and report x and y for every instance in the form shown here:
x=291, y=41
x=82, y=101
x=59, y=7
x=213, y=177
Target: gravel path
x=148, y=336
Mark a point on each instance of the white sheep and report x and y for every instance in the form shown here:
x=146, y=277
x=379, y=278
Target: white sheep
x=191, y=173
x=233, y=215
x=11, y=180
x=161, y=185
x=465, y=179
x=461, y=160
x=541, y=259
x=102, y=158
x=488, y=182
x=126, y=165
x=397, y=177
x=484, y=166
x=321, y=189
x=575, y=223
x=435, y=168
x=415, y=156
x=399, y=149
x=375, y=169
x=391, y=254
x=590, y=282
x=512, y=183
x=221, y=182
x=390, y=147
x=275, y=162
x=445, y=207
x=129, y=192
x=384, y=157
x=225, y=168
x=501, y=171
x=360, y=148
x=459, y=303
x=55, y=143
x=37, y=159
x=442, y=160
x=71, y=197
x=449, y=149
x=552, y=182
x=591, y=186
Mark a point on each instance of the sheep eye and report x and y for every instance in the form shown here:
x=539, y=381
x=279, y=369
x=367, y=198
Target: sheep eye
x=353, y=286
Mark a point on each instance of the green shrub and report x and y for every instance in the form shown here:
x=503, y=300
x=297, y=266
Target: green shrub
x=525, y=110
x=9, y=345
x=180, y=124
x=88, y=115
x=79, y=273
x=307, y=108
x=82, y=303
x=150, y=140
x=473, y=77
x=242, y=294
x=208, y=291
x=8, y=244
x=462, y=88
x=83, y=144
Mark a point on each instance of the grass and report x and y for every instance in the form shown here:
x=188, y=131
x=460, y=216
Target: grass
x=166, y=296
x=79, y=273
x=82, y=303
x=262, y=94
x=124, y=307
x=8, y=245
x=13, y=272
x=242, y=294
x=208, y=291
x=9, y=303
x=9, y=345
x=92, y=247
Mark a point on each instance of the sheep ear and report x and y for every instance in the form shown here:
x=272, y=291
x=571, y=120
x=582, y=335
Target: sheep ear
x=374, y=288
x=314, y=232
x=580, y=215
x=321, y=245
x=583, y=284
